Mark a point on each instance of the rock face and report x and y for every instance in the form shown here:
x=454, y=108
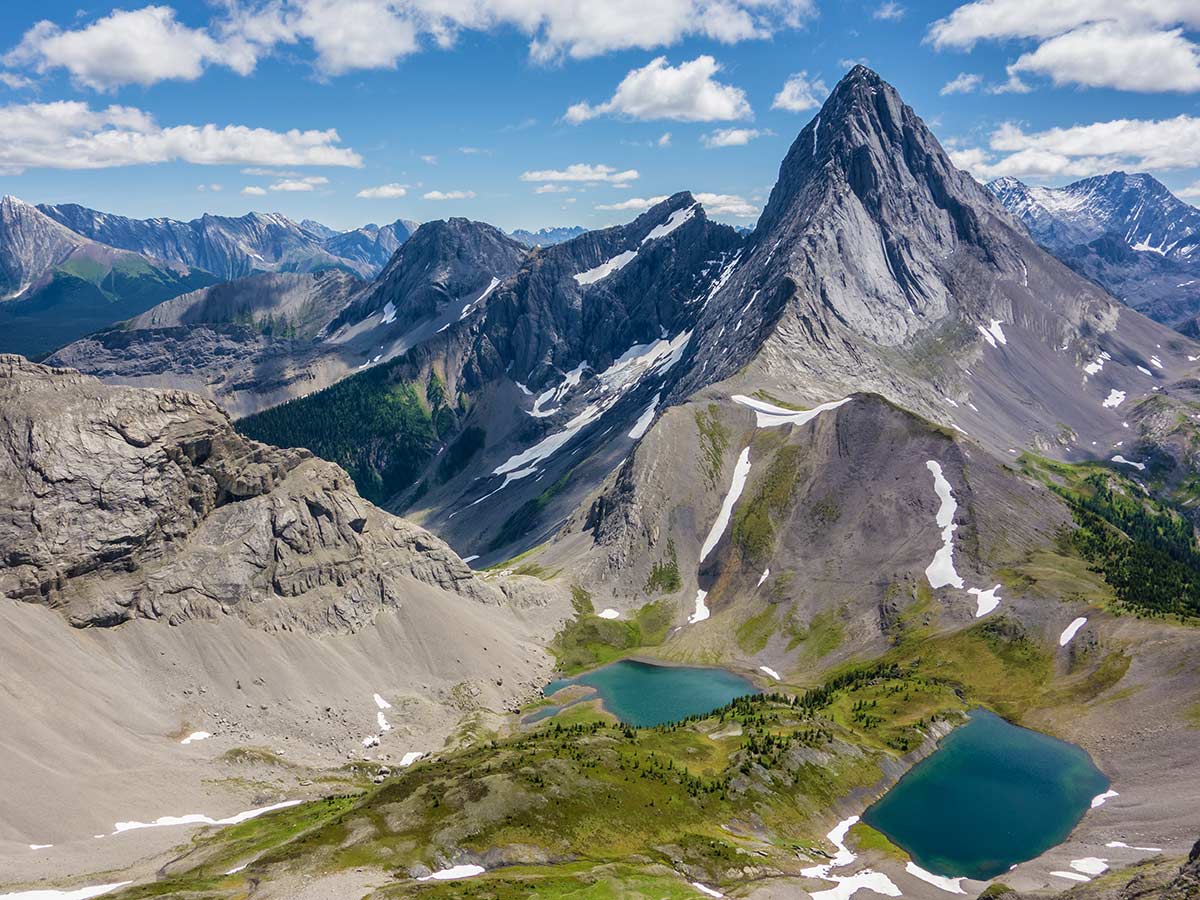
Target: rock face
x=1128, y=233
x=544, y=237
x=133, y=503
x=371, y=246
x=31, y=244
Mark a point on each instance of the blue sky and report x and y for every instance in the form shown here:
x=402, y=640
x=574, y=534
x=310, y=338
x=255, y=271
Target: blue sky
x=460, y=107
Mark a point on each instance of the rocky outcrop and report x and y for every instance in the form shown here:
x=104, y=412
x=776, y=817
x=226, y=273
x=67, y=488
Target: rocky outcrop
x=131, y=503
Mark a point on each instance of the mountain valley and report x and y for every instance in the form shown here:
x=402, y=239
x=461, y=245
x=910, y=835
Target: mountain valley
x=290, y=557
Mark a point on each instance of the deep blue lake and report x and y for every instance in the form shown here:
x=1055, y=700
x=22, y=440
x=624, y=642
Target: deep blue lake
x=992, y=795
x=644, y=695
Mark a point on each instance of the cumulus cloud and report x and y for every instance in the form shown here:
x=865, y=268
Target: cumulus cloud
x=584, y=172
x=1082, y=150
x=633, y=204
x=1191, y=192
x=1133, y=45
x=146, y=45
x=962, y=83
x=714, y=204
x=299, y=185
x=390, y=191
x=664, y=139
x=141, y=46
x=684, y=93
x=254, y=191
x=551, y=189
x=732, y=137
x=799, y=93
x=450, y=195
x=73, y=135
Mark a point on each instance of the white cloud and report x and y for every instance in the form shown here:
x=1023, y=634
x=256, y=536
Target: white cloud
x=551, y=189
x=14, y=81
x=889, y=12
x=962, y=83
x=1191, y=192
x=799, y=93
x=1108, y=54
x=141, y=46
x=633, y=204
x=253, y=191
x=732, y=137
x=390, y=191
x=664, y=139
x=294, y=185
x=209, y=187
x=474, y=151
x=147, y=45
x=429, y=159
x=1082, y=150
x=1134, y=45
x=72, y=135
x=728, y=205
x=583, y=172
x=683, y=93
x=450, y=195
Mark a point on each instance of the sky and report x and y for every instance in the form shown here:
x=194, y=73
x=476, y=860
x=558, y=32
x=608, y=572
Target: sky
x=533, y=113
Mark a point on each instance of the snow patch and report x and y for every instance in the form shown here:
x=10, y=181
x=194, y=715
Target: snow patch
x=768, y=415
x=701, y=612
x=196, y=736
x=1115, y=399
x=1100, y=799
x=609, y=613
x=770, y=672
x=847, y=885
x=706, y=890
x=200, y=819
x=1145, y=371
x=740, y=472
x=40, y=846
x=676, y=219
x=1156, y=362
x=1126, y=846
x=1071, y=630
x=382, y=722
x=642, y=425
x=389, y=314
x=993, y=334
x=763, y=577
x=618, y=262
x=381, y=703
x=409, y=758
x=1073, y=876
x=941, y=571
x=76, y=894
x=1141, y=467
x=1090, y=865
x=466, y=871
x=986, y=600
x=949, y=885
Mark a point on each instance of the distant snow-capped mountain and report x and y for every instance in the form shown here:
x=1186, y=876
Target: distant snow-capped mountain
x=545, y=237
x=1128, y=233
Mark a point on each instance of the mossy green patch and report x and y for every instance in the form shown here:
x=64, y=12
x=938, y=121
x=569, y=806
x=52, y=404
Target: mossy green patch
x=714, y=440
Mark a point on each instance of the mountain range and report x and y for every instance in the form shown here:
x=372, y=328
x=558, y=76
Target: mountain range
x=886, y=457
x=1128, y=233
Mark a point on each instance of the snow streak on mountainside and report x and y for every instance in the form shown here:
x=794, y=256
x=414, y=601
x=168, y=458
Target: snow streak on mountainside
x=1128, y=233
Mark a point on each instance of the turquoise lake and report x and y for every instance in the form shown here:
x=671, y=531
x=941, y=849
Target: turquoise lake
x=992, y=795
x=644, y=695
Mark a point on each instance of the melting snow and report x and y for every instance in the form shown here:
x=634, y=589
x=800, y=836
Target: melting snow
x=765, y=575
x=1145, y=371
x=1115, y=398
x=1071, y=630
x=993, y=334
x=706, y=890
x=769, y=415
x=1073, y=876
x=196, y=736
x=642, y=425
x=1129, y=462
x=382, y=721
x=381, y=703
x=941, y=571
x=1101, y=799
x=676, y=219
x=986, y=600
x=701, y=612
x=76, y=894
x=1125, y=846
x=770, y=672
x=199, y=819
x=847, y=885
x=1090, y=865
x=1156, y=362
x=237, y=869
x=1095, y=366
x=618, y=262
x=740, y=472
x=389, y=313
x=409, y=758
x=608, y=614
x=950, y=885
x=40, y=846
x=454, y=872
